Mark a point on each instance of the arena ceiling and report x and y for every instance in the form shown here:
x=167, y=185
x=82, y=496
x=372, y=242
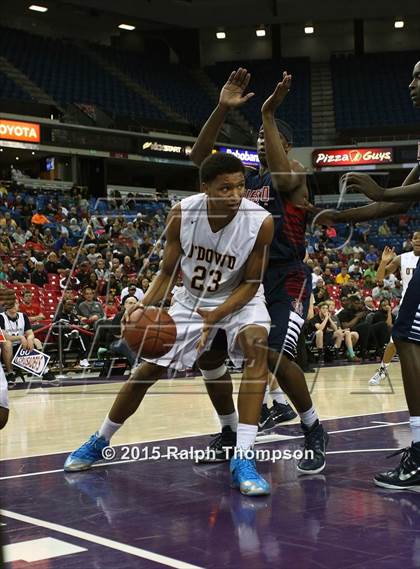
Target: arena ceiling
x=152, y=14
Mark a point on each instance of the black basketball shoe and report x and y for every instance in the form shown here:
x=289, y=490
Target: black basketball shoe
x=281, y=412
x=221, y=448
x=266, y=422
x=406, y=474
x=314, y=449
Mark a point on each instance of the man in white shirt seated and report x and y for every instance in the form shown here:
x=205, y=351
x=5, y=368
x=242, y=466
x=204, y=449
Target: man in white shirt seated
x=17, y=332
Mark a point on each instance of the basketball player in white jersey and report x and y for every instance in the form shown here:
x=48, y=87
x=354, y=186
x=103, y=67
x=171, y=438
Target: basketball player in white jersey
x=220, y=241
x=406, y=263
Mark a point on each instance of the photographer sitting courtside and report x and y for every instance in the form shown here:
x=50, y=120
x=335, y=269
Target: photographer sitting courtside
x=18, y=332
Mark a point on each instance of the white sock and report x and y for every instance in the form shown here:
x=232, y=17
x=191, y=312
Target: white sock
x=278, y=395
x=384, y=365
x=266, y=394
x=245, y=437
x=230, y=420
x=309, y=417
x=415, y=428
x=109, y=429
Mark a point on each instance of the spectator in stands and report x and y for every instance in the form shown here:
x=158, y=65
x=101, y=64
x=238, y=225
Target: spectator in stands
x=320, y=292
x=19, y=236
x=131, y=290
x=383, y=314
x=111, y=334
x=3, y=272
x=40, y=276
x=47, y=238
x=370, y=307
x=69, y=281
x=384, y=230
x=52, y=265
x=316, y=276
x=5, y=244
x=20, y=274
x=355, y=271
x=130, y=231
x=128, y=265
x=380, y=291
x=370, y=271
x=354, y=318
x=390, y=280
x=358, y=249
x=32, y=309
x=101, y=271
x=145, y=283
x=396, y=291
x=362, y=231
x=39, y=219
x=83, y=274
x=93, y=255
x=111, y=309
x=407, y=245
x=90, y=310
x=10, y=224
x=372, y=256
x=343, y=277
x=68, y=318
x=18, y=332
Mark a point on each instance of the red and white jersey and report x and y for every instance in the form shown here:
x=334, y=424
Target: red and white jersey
x=213, y=263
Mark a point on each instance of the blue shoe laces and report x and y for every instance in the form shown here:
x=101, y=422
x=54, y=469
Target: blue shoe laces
x=89, y=449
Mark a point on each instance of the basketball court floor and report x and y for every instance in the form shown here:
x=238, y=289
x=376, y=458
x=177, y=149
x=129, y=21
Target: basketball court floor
x=139, y=511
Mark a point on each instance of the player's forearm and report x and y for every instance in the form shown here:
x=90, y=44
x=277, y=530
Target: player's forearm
x=402, y=193
x=380, y=273
x=277, y=161
x=237, y=300
x=374, y=210
x=159, y=289
x=204, y=144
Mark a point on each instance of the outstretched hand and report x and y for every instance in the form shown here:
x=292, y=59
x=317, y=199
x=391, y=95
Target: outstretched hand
x=388, y=254
x=278, y=95
x=232, y=93
x=364, y=184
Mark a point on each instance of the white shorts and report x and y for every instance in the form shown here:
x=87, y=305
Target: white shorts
x=4, y=397
x=189, y=325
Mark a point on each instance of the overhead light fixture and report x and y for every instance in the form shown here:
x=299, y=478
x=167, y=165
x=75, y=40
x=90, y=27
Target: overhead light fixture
x=260, y=32
x=221, y=35
x=37, y=8
x=309, y=30
x=17, y=157
x=33, y=153
x=398, y=24
x=128, y=27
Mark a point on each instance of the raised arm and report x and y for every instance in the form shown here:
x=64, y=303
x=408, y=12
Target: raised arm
x=282, y=175
x=389, y=263
x=231, y=96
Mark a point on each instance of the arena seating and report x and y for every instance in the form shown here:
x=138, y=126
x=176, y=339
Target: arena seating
x=9, y=90
x=265, y=75
x=372, y=90
x=172, y=83
x=65, y=72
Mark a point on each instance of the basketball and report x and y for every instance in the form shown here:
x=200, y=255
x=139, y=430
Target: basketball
x=150, y=331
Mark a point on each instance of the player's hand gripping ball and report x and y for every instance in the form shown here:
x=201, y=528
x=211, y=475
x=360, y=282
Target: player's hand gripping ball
x=149, y=331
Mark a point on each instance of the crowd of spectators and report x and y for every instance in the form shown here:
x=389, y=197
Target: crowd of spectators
x=76, y=261
x=70, y=264
x=353, y=311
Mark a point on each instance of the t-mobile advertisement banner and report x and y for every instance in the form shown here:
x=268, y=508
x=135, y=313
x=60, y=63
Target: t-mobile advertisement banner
x=352, y=157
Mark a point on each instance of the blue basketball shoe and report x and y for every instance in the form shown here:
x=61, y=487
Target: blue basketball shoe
x=86, y=455
x=246, y=478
